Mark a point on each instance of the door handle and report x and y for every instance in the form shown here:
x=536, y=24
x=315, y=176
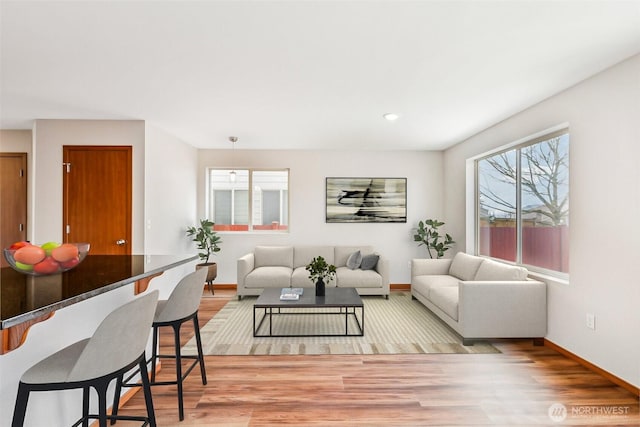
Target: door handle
x=121, y=242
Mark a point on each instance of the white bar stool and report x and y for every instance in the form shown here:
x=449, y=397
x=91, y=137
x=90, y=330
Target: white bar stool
x=117, y=346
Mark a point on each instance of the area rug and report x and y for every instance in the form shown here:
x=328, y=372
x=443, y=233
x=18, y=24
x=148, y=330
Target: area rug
x=398, y=325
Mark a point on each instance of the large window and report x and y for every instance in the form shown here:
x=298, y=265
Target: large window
x=522, y=203
x=248, y=199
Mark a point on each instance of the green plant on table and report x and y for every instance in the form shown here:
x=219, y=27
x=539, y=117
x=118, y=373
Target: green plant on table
x=318, y=268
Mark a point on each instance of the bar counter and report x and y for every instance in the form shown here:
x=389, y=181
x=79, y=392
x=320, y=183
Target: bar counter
x=26, y=299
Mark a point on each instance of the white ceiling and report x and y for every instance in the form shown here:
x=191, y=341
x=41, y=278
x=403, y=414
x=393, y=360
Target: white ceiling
x=303, y=74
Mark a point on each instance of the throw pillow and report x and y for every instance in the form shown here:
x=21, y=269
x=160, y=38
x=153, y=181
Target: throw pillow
x=354, y=260
x=369, y=262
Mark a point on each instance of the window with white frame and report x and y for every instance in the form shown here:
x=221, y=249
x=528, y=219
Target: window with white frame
x=248, y=199
x=522, y=204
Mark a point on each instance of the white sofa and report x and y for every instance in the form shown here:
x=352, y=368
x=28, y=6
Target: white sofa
x=282, y=266
x=480, y=298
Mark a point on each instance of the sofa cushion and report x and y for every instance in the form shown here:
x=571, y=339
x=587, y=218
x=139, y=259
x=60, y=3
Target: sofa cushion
x=346, y=277
x=300, y=278
x=303, y=255
x=424, y=284
x=354, y=260
x=492, y=270
x=446, y=299
x=268, y=277
x=465, y=266
x=342, y=253
x=369, y=262
x=271, y=256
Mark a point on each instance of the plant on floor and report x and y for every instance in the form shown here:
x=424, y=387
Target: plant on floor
x=427, y=234
x=206, y=238
x=208, y=241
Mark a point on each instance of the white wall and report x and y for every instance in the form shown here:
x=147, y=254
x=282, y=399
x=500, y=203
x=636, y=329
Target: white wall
x=170, y=185
x=603, y=113
x=308, y=170
x=49, y=137
x=15, y=141
x=170, y=193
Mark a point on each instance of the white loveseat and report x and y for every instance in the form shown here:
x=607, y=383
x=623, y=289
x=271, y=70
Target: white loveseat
x=282, y=266
x=481, y=298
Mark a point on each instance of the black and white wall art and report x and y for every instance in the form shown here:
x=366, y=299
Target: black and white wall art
x=366, y=200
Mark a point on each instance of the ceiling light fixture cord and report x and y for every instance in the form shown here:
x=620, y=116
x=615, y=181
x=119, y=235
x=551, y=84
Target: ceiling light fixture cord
x=232, y=174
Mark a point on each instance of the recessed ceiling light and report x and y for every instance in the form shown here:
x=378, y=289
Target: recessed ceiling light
x=390, y=116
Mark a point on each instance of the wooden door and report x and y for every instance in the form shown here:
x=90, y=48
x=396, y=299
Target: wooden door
x=13, y=199
x=97, y=197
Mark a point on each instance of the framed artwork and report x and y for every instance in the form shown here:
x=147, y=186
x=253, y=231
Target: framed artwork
x=366, y=200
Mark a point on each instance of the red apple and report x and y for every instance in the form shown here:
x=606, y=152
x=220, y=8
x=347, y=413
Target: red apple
x=18, y=245
x=46, y=266
x=70, y=264
x=30, y=254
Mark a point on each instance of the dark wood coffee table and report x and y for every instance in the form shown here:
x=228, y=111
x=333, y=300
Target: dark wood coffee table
x=340, y=302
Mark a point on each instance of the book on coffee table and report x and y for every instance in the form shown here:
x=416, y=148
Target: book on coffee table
x=291, y=294
x=289, y=297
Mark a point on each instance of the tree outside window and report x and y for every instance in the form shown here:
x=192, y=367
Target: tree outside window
x=523, y=204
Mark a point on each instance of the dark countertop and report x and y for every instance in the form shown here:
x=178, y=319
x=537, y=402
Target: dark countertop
x=24, y=297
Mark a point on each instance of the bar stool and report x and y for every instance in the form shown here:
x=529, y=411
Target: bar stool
x=117, y=346
x=181, y=306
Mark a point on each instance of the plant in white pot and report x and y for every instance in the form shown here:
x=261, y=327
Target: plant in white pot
x=319, y=272
x=208, y=241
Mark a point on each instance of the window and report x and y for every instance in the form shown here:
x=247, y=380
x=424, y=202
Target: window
x=522, y=203
x=248, y=199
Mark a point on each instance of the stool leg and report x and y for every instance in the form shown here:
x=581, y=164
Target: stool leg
x=85, y=406
x=176, y=334
x=20, y=410
x=146, y=388
x=116, y=398
x=196, y=327
x=101, y=389
x=154, y=354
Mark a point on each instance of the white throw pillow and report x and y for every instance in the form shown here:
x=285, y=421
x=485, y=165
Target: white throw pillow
x=354, y=260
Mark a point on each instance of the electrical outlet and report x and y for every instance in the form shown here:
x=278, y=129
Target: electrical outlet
x=591, y=321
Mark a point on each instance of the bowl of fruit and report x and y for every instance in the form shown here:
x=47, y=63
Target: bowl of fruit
x=48, y=258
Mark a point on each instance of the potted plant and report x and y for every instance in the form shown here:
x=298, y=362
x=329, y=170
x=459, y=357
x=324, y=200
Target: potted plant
x=208, y=241
x=427, y=234
x=319, y=271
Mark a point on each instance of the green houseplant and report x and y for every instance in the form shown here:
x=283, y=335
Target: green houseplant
x=319, y=271
x=427, y=234
x=208, y=241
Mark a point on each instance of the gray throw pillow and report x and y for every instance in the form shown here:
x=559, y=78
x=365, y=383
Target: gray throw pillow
x=369, y=262
x=354, y=260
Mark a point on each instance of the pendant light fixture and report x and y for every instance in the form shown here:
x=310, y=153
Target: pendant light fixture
x=232, y=174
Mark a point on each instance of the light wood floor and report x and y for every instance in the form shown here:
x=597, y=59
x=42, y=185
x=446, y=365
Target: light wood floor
x=517, y=387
